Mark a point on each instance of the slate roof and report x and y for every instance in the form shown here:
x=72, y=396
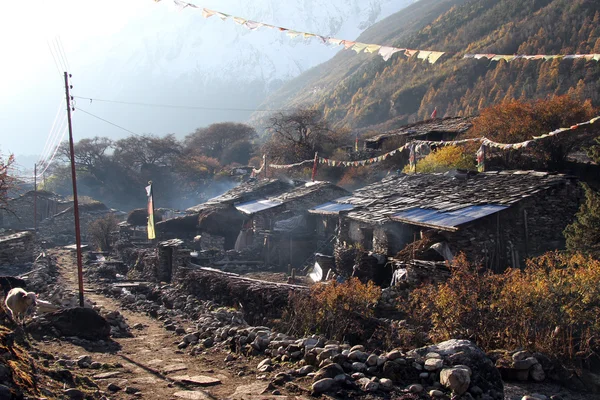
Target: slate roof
x=446, y=192
x=309, y=193
x=451, y=125
x=247, y=191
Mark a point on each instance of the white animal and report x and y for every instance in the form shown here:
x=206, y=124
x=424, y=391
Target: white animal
x=18, y=302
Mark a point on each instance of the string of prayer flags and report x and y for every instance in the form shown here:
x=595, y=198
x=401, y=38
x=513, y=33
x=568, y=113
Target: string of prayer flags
x=412, y=159
x=286, y=166
x=420, y=148
x=481, y=158
x=385, y=52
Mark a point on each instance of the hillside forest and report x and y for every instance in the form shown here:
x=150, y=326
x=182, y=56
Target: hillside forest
x=365, y=92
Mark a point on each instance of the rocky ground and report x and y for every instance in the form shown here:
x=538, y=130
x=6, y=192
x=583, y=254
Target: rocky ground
x=165, y=345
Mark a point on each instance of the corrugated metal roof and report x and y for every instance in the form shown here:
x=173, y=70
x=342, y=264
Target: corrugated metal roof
x=331, y=208
x=449, y=220
x=255, y=206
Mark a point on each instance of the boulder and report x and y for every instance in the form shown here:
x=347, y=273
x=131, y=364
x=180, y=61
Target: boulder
x=84, y=323
x=323, y=385
x=328, y=371
x=456, y=352
x=537, y=373
x=433, y=364
x=456, y=379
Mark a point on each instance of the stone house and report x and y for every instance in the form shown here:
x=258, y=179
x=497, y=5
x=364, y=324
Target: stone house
x=433, y=129
x=268, y=215
x=496, y=218
x=21, y=209
x=216, y=220
x=282, y=225
x=59, y=228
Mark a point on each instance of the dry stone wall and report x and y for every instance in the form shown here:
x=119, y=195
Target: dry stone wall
x=17, y=248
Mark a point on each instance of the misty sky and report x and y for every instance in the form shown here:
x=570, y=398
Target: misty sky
x=140, y=50
x=31, y=86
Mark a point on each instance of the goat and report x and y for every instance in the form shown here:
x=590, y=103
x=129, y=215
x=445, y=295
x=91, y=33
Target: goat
x=18, y=302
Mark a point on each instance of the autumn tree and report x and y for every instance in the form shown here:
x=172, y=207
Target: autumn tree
x=228, y=142
x=91, y=155
x=445, y=159
x=518, y=121
x=144, y=151
x=297, y=135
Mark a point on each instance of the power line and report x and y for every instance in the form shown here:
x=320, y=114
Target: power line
x=108, y=122
x=180, y=106
x=52, y=134
x=56, y=141
x=62, y=51
x=54, y=58
x=61, y=60
x=53, y=154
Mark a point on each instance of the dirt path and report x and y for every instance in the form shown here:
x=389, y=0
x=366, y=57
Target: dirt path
x=151, y=361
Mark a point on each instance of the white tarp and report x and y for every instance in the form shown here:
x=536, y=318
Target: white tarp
x=316, y=274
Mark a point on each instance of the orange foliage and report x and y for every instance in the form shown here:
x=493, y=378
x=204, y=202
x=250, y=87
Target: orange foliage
x=551, y=306
x=515, y=121
x=333, y=309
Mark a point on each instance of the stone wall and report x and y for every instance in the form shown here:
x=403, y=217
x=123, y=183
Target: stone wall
x=60, y=228
x=529, y=228
x=22, y=209
x=388, y=239
x=17, y=248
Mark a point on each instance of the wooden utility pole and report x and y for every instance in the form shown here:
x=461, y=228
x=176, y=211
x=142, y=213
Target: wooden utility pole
x=75, y=202
x=35, y=197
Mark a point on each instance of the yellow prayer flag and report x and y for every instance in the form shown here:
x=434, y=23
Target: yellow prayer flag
x=151, y=231
x=206, y=13
x=434, y=56
x=423, y=55
x=372, y=48
x=358, y=47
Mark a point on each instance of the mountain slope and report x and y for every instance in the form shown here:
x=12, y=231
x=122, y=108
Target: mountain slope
x=362, y=90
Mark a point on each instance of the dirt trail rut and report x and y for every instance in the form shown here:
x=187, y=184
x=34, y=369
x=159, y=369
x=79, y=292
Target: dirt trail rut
x=150, y=359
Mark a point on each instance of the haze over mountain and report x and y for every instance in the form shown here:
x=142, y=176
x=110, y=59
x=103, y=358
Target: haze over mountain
x=140, y=51
x=363, y=91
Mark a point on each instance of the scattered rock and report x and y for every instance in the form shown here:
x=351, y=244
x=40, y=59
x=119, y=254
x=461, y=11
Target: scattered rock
x=200, y=380
x=329, y=371
x=131, y=390
x=107, y=375
x=456, y=379
x=537, y=373
x=323, y=385
x=113, y=387
x=83, y=323
x=415, y=388
x=433, y=364
x=74, y=394
x=463, y=352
